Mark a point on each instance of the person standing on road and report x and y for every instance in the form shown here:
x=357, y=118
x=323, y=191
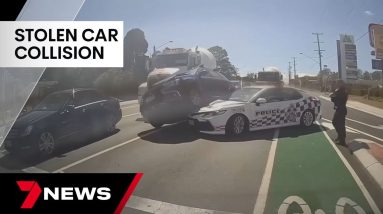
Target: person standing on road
x=339, y=98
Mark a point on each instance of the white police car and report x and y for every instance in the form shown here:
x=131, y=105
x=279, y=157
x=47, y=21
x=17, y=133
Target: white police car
x=255, y=108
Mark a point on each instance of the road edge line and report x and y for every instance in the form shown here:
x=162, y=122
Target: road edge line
x=357, y=130
x=260, y=204
x=359, y=182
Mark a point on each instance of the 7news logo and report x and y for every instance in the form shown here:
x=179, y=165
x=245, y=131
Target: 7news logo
x=60, y=193
x=67, y=192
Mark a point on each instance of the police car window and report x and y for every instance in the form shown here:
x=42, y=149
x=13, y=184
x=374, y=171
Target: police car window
x=290, y=94
x=272, y=95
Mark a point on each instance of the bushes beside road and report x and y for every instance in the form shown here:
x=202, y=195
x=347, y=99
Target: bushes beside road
x=372, y=92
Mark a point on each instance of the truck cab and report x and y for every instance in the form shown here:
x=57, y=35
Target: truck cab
x=173, y=60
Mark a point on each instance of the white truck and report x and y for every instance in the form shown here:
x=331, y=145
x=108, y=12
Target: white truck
x=172, y=60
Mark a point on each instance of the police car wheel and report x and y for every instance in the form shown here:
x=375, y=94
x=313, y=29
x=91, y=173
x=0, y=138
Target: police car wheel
x=307, y=118
x=237, y=125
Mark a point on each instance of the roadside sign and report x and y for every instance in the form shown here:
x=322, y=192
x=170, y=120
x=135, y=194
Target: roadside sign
x=377, y=64
x=376, y=39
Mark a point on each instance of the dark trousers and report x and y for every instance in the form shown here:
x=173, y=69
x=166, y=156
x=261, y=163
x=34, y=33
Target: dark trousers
x=339, y=122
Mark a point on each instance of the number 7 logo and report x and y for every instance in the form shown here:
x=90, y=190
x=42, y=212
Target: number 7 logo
x=34, y=192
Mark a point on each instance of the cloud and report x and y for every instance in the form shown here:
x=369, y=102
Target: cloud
x=369, y=13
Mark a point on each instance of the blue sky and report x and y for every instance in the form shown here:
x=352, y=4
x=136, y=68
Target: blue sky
x=256, y=33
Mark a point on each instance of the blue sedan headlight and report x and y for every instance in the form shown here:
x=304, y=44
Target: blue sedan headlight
x=27, y=131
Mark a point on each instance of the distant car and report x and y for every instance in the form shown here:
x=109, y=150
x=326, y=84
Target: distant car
x=256, y=108
x=174, y=98
x=61, y=117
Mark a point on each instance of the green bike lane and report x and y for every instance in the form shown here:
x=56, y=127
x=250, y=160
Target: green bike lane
x=309, y=176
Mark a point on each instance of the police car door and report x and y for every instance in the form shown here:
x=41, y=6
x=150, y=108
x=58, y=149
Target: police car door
x=271, y=113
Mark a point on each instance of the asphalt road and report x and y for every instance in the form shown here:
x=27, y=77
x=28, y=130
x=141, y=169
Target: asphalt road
x=196, y=173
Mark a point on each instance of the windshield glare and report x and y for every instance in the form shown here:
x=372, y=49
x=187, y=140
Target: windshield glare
x=53, y=102
x=244, y=94
x=171, y=60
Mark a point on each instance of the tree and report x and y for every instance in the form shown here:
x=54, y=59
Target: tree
x=135, y=45
x=223, y=62
x=366, y=75
x=360, y=73
x=250, y=77
x=376, y=75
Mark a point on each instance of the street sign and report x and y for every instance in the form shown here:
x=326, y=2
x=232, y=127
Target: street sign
x=376, y=39
x=377, y=64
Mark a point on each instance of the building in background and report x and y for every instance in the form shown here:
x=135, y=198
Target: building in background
x=347, y=60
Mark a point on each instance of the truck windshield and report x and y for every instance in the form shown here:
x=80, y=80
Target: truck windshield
x=269, y=76
x=171, y=60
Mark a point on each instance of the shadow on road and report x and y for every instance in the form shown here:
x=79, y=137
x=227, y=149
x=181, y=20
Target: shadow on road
x=296, y=131
x=21, y=161
x=183, y=133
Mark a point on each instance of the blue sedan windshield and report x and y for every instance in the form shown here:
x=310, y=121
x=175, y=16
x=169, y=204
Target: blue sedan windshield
x=244, y=94
x=53, y=102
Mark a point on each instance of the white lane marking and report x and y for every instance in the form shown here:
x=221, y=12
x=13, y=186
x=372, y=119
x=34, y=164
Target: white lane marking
x=372, y=126
x=122, y=103
x=102, y=152
x=129, y=115
x=132, y=106
x=361, y=186
x=33, y=169
x=260, y=204
x=377, y=115
x=159, y=207
x=356, y=130
x=329, y=126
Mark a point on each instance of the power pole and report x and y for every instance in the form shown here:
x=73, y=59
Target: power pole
x=289, y=73
x=295, y=70
x=320, y=56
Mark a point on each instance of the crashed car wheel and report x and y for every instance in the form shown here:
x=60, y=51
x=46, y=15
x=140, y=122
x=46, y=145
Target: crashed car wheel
x=307, y=118
x=237, y=125
x=46, y=143
x=110, y=125
x=156, y=125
